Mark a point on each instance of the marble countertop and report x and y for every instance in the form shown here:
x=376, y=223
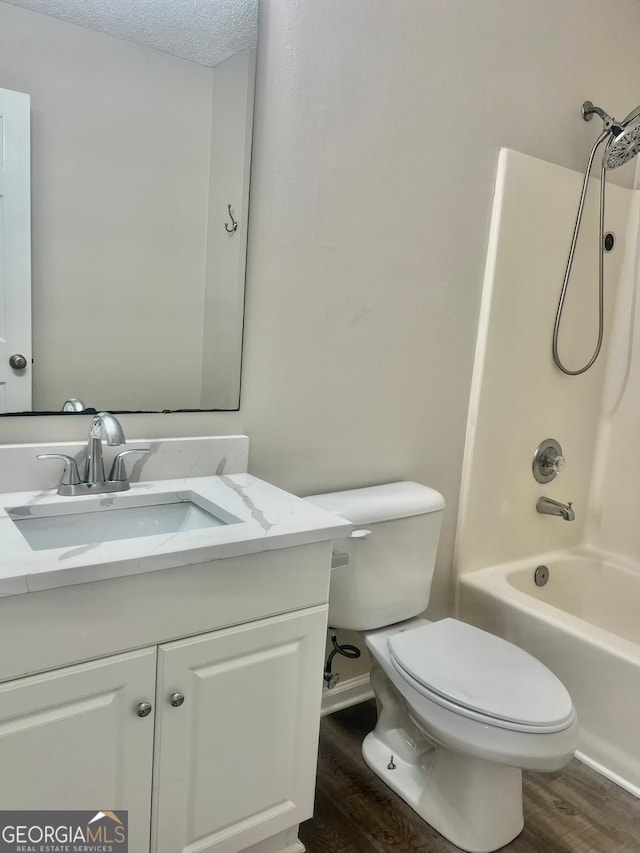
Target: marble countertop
x=267, y=518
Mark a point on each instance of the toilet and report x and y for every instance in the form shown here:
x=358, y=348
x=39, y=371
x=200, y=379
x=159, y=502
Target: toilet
x=460, y=711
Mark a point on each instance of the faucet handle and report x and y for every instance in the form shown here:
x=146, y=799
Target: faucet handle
x=70, y=476
x=555, y=463
x=118, y=473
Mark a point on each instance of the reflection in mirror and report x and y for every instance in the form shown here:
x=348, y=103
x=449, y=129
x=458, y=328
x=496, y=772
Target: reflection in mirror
x=139, y=168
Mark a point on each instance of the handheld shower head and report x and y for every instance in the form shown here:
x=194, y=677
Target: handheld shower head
x=625, y=145
x=624, y=140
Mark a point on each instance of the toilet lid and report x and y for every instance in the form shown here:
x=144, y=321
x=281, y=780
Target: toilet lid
x=483, y=673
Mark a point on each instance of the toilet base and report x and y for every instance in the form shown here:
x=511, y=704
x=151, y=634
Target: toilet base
x=475, y=804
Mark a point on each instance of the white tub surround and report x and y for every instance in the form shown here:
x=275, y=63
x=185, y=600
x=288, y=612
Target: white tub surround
x=518, y=396
x=583, y=624
x=195, y=690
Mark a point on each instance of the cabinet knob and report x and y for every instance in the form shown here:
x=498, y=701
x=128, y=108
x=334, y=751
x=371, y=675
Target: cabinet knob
x=176, y=699
x=144, y=709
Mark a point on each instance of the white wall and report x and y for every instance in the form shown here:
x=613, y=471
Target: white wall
x=231, y=127
x=377, y=133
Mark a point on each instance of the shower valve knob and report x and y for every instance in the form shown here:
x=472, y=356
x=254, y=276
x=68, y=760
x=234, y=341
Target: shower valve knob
x=551, y=462
x=558, y=464
x=548, y=461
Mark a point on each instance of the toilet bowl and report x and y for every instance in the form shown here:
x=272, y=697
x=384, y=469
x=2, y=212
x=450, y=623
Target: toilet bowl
x=460, y=712
x=454, y=750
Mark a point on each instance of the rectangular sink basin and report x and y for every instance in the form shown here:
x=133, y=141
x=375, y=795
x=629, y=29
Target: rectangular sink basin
x=107, y=519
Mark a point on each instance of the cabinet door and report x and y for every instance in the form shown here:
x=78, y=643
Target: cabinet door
x=72, y=739
x=236, y=761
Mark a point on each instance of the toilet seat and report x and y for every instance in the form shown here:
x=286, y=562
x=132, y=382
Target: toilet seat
x=478, y=675
x=464, y=731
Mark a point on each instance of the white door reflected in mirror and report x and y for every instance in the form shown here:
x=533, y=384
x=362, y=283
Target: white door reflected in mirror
x=15, y=253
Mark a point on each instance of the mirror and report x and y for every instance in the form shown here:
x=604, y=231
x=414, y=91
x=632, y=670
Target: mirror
x=139, y=188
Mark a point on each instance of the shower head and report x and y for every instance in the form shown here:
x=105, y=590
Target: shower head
x=624, y=146
x=624, y=140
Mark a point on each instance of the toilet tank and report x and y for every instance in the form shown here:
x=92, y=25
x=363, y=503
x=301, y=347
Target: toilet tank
x=382, y=573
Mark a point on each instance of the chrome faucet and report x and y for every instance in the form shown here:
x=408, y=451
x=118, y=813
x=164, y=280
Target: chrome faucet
x=103, y=426
x=547, y=506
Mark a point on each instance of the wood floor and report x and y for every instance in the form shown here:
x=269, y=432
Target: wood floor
x=572, y=811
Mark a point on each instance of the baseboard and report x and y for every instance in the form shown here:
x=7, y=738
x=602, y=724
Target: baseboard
x=346, y=694
x=296, y=847
x=608, y=774
x=283, y=842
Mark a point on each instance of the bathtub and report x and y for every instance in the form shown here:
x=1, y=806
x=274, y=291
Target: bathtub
x=584, y=624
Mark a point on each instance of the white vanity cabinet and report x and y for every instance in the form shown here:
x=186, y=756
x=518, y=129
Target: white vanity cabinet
x=235, y=758
x=235, y=713
x=176, y=675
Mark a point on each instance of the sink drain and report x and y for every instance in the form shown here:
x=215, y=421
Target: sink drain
x=541, y=575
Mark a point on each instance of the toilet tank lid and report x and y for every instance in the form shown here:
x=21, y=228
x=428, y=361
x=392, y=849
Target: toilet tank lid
x=381, y=503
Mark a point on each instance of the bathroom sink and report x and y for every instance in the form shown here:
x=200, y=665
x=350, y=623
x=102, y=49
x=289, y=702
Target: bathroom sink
x=107, y=519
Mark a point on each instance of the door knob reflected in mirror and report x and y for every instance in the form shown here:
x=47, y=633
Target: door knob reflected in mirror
x=18, y=362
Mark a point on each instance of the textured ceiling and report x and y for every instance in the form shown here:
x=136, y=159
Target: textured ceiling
x=205, y=31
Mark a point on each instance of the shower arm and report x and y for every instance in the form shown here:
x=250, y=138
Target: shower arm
x=556, y=328
x=610, y=124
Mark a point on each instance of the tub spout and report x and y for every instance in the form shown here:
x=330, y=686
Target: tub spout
x=547, y=506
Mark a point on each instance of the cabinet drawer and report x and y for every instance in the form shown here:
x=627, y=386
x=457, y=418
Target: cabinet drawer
x=40, y=631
